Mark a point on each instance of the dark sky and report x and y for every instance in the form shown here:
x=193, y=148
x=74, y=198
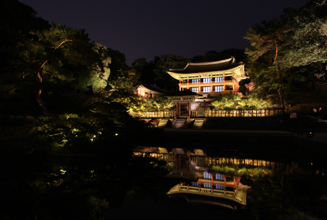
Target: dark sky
x=146, y=28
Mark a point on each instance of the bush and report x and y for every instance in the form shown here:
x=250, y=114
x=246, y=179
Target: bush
x=235, y=101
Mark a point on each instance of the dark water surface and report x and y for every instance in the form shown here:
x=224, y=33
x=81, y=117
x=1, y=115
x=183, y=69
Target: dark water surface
x=121, y=185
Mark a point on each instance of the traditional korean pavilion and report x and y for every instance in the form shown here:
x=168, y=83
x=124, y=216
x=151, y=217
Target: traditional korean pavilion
x=210, y=78
x=146, y=90
x=199, y=84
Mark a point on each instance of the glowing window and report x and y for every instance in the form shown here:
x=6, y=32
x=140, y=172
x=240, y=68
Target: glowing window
x=195, y=184
x=206, y=80
x=206, y=185
x=219, y=88
x=220, y=176
x=206, y=89
x=221, y=187
x=195, y=81
x=219, y=79
x=195, y=89
x=207, y=175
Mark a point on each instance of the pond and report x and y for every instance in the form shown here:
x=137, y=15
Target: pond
x=126, y=184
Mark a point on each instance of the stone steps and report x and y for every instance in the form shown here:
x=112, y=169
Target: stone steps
x=179, y=123
x=163, y=122
x=198, y=123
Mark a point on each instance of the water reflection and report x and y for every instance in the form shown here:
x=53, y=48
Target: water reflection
x=79, y=188
x=186, y=162
x=210, y=179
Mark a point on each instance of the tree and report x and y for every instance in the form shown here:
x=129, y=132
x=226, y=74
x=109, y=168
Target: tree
x=266, y=40
x=59, y=56
x=158, y=103
x=118, y=62
x=282, y=49
x=145, y=70
x=162, y=65
x=17, y=20
x=307, y=38
x=213, y=55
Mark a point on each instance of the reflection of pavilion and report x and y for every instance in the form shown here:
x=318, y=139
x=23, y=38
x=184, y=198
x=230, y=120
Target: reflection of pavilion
x=205, y=186
x=216, y=191
x=188, y=163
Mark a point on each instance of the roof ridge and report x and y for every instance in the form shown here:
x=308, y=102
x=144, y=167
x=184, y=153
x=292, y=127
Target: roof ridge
x=214, y=62
x=230, y=60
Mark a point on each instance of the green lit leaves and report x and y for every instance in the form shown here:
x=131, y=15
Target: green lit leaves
x=236, y=102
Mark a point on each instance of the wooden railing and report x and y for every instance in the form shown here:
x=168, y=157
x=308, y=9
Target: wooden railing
x=216, y=113
x=159, y=114
x=241, y=113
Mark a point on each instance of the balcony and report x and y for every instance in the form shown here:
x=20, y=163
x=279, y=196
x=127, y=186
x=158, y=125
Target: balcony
x=190, y=84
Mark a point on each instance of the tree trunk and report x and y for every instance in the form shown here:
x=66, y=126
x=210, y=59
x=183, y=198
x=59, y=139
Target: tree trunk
x=280, y=88
x=38, y=97
x=41, y=103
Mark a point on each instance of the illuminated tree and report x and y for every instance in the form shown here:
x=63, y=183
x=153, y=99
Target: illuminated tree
x=307, y=38
x=54, y=60
x=267, y=47
x=158, y=103
x=283, y=49
x=61, y=55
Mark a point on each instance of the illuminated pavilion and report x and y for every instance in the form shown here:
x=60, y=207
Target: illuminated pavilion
x=200, y=83
x=146, y=90
x=210, y=78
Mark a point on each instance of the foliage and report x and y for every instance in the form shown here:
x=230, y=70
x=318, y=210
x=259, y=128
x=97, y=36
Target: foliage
x=139, y=105
x=17, y=20
x=145, y=70
x=213, y=55
x=127, y=81
x=158, y=103
x=162, y=65
x=226, y=101
x=118, y=64
x=264, y=57
x=307, y=38
x=235, y=101
x=275, y=196
x=68, y=131
x=253, y=173
x=286, y=50
x=224, y=170
x=54, y=57
x=59, y=70
x=155, y=72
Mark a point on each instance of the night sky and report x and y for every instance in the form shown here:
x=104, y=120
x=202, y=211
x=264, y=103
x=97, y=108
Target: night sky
x=146, y=28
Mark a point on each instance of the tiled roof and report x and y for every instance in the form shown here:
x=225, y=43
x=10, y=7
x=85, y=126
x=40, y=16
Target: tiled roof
x=182, y=93
x=152, y=87
x=208, y=66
